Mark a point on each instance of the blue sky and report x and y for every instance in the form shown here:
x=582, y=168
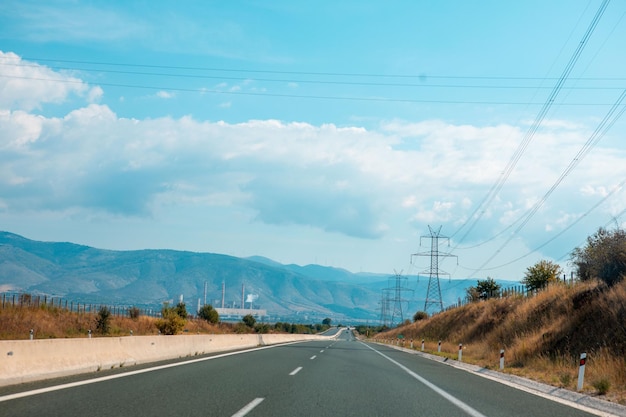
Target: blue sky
x=315, y=132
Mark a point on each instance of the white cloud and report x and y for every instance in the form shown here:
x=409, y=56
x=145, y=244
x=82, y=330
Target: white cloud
x=26, y=85
x=165, y=94
x=346, y=180
x=95, y=94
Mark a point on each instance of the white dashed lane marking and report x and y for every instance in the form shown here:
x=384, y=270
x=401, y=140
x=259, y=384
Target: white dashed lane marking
x=295, y=371
x=251, y=405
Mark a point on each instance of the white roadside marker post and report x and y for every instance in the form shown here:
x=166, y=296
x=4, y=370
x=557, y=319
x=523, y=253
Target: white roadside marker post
x=501, y=359
x=439, y=347
x=460, y=352
x=581, y=370
x=422, y=345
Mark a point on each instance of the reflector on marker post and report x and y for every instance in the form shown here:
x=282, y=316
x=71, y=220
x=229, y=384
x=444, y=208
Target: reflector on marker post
x=581, y=370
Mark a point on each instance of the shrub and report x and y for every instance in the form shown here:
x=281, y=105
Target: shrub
x=134, y=313
x=208, y=313
x=602, y=385
x=262, y=328
x=420, y=315
x=565, y=378
x=241, y=328
x=249, y=320
x=103, y=320
x=171, y=322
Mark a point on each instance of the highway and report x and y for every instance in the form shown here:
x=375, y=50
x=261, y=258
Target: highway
x=342, y=377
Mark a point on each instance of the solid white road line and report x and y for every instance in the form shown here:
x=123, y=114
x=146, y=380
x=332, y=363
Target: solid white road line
x=248, y=407
x=125, y=374
x=460, y=404
x=295, y=371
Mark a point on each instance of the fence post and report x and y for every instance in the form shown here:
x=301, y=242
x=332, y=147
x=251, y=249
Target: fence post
x=581, y=371
x=501, y=359
x=460, y=352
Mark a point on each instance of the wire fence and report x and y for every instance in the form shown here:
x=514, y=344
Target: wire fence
x=26, y=300
x=513, y=291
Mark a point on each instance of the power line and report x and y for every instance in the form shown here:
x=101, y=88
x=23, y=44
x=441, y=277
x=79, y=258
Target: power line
x=329, y=82
x=296, y=96
x=605, y=125
x=497, y=186
x=552, y=239
x=334, y=74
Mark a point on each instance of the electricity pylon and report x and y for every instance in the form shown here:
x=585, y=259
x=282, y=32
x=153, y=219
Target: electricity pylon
x=397, y=299
x=433, y=294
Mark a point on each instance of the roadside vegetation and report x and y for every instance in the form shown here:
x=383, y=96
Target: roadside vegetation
x=53, y=322
x=543, y=334
x=49, y=322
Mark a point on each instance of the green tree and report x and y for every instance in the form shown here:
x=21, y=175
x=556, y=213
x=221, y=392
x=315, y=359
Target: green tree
x=208, y=313
x=487, y=288
x=103, y=320
x=541, y=274
x=327, y=321
x=181, y=310
x=483, y=290
x=603, y=257
x=171, y=322
x=249, y=320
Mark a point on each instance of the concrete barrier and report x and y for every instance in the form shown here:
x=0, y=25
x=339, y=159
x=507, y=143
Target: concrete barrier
x=31, y=360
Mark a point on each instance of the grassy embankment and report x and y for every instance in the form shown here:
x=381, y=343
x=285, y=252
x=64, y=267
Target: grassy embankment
x=542, y=336
x=52, y=322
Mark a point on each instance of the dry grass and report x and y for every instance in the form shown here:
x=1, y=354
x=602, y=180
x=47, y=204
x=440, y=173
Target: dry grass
x=53, y=322
x=543, y=336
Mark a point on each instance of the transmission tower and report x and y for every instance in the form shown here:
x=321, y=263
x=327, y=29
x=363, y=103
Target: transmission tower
x=385, y=300
x=433, y=294
x=391, y=304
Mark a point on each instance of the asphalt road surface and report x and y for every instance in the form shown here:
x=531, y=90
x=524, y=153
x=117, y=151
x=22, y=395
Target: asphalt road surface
x=343, y=377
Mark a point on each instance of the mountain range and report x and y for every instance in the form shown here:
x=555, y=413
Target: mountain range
x=148, y=278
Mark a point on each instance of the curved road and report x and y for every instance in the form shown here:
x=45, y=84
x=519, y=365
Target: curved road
x=343, y=377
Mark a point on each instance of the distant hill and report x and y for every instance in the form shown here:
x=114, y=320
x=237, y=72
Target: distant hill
x=151, y=277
